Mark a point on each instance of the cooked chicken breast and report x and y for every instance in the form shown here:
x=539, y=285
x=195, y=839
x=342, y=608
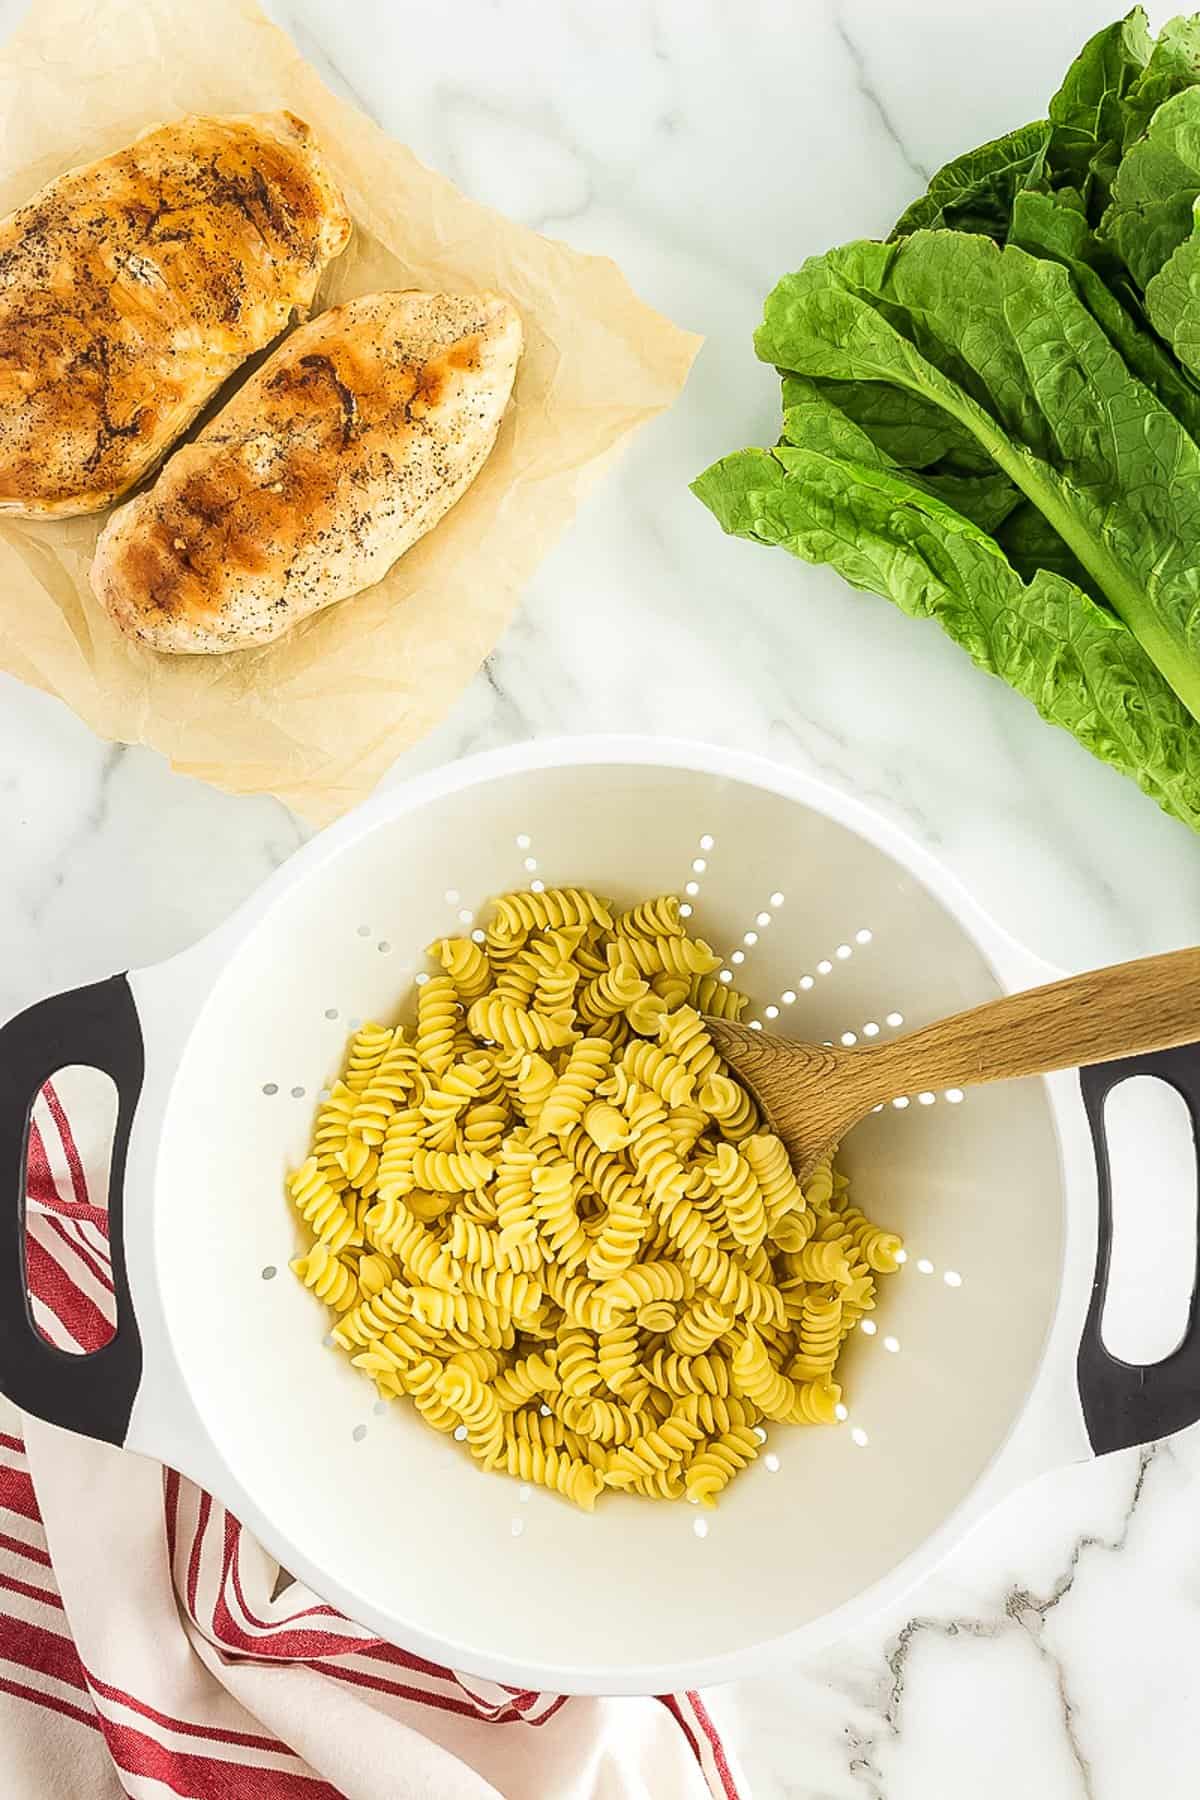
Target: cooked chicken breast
x=131, y=287
x=351, y=440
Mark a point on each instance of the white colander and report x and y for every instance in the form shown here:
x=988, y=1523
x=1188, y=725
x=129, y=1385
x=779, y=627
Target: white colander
x=836, y=925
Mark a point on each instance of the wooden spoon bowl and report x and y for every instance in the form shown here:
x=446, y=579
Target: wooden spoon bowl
x=811, y=1094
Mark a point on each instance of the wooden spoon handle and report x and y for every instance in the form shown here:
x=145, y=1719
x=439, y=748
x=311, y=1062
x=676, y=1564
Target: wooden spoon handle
x=1133, y=1007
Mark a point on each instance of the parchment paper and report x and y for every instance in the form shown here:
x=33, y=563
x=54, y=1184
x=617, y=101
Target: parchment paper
x=316, y=718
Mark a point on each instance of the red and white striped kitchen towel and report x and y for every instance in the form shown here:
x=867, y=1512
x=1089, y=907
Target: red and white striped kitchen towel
x=142, y=1652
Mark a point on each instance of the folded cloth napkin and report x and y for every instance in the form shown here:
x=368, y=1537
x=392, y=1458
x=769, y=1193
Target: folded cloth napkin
x=145, y=1647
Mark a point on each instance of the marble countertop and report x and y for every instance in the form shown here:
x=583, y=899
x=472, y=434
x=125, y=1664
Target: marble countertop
x=708, y=148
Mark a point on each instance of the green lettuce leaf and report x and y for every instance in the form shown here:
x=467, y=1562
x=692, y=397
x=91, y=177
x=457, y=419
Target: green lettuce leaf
x=1155, y=189
x=1051, y=226
x=1071, y=658
x=1088, y=114
x=975, y=191
x=1000, y=341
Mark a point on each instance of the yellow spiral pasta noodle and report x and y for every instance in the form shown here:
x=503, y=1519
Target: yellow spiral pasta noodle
x=816, y=1403
x=557, y=1219
x=729, y=1284
x=700, y=1325
x=402, y=1140
x=670, y=955
x=484, y=1126
x=516, y=982
x=578, y=1370
x=660, y=1484
x=822, y=1262
x=717, y=1413
x=606, y=1125
x=734, y=1180
x=372, y=1318
x=564, y=1474
x=555, y=981
x=393, y=1078
x=360, y=1164
x=329, y=1279
x=670, y=1443
x=714, y=1467
x=442, y=1104
x=437, y=1023
x=475, y=1320
x=576, y=1296
x=641, y=1284
x=475, y=1404
x=584, y=1070
x=878, y=1248
x=731, y=1106
x=604, y=1419
x=366, y=1051
x=686, y=1125
x=516, y=1028
x=673, y=989
x=487, y=1364
x=716, y=998
x=332, y=1130
x=818, y=1189
x=818, y=1338
x=686, y=1374
x=422, y=1382
x=375, y=1271
x=467, y=966
x=653, y=1150
x=553, y=909
x=622, y=1229
x=757, y=1379
x=514, y=1203
x=773, y=1172
x=645, y=1015
x=528, y=1379
x=684, y=1033
x=657, y=1069
x=608, y=995
x=656, y=1315
x=321, y=1208
x=451, y=1171
x=652, y=918
x=511, y=1293
x=617, y=1355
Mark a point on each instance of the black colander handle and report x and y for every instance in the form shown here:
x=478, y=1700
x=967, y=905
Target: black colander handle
x=98, y=1027
x=1132, y=1403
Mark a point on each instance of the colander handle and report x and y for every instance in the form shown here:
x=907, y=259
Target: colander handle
x=1129, y=1403
x=98, y=1027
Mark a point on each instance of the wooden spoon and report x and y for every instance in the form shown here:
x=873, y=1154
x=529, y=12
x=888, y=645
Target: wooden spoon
x=812, y=1094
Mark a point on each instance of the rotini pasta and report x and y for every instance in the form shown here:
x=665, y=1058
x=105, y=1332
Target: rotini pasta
x=548, y=1216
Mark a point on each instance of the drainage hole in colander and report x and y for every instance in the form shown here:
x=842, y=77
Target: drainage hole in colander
x=739, y=956
x=824, y=967
x=359, y=1433
x=700, y=1527
x=379, y=1408
x=691, y=888
x=841, y=1412
x=771, y=1461
x=726, y=975
x=297, y=1093
x=364, y=931
x=776, y=899
x=699, y=866
x=806, y=982
x=328, y=1340
x=849, y=1038
x=524, y=1492
x=537, y=887
x=926, y=1099
x=842, y=952
x=954, y=1096
x=870, y=1029
x=685, y=911
x=531, y=865
x=517, y=1527
x=952, y=1278
x=270, y=1087
x=269, y=1272
x=894, y=1019
x=325, y=1094
x=422, y=978
x=788, y=997
x=924, y=1266
x=892, y=1344
x=760, y=1434
x=859, y=1437
x=331, y=1012
x=466, y=916
x=383, y=947
x=902, y=1255
x=862, y=937
x=900, y=1102
x=771, y=1012
x=750, y=939
x=762, y=918
x=460, y=1434
x=452, y=896
x=755, y=1024
x=523, y=841
x=354, y=1021
x=868, y=1327
x=707, y=842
